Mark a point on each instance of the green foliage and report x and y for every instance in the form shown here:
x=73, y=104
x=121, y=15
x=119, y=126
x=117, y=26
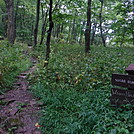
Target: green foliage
x=12, y=62
x=2, y=14
x=123, y=23
x=75, y=90
x=73, y=69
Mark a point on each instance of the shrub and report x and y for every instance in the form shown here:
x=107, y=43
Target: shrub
x=12, y=62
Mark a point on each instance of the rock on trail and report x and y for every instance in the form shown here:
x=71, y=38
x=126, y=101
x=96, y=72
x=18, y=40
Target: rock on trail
x=19, y=110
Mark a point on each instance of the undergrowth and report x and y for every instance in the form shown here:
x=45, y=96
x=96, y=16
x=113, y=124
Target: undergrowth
x=12, y=63
x=75, y=90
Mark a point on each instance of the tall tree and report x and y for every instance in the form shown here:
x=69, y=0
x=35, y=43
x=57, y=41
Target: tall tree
x=10, y=20
x=88, y=27
x=93, y=32
x=49, y=32
x=36, y=23
x=101, y=30
x=44, y=24
x=16, y=13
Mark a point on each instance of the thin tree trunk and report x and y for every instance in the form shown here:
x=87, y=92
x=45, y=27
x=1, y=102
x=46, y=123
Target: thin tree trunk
x=54, y=30
x=4, y=20
x=101, y=29
x=88, y=28
x=81, y=33
x=122, y=39
x=93, y=35
x=36, y=23
x=11, y=20
x=132, y=22
x=62, y=27
x=69, y=32
x=58, y=30
x=44, y=24
x=16, y=14
x=73, y=30
x=49, y=32
x=23, y=22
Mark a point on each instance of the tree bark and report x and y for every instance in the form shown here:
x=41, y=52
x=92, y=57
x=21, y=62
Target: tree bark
x=101, y=29
x=62, y=28
x=10, y=20
x=93, y=34
x=36, y=23
x=73, y=32
x=49, y=32
x=81, y=33
x=88, y=28
x=16, y=14
x=69, y=32
x=58, y=30
x=44, y=24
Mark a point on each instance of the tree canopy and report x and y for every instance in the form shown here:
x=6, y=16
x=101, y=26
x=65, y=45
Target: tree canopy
x=111, y=21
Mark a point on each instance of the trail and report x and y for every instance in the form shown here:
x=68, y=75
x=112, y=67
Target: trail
x=19, y=110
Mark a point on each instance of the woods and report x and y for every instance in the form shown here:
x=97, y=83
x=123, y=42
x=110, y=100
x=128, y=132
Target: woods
x=111, y=22
x=61, y=62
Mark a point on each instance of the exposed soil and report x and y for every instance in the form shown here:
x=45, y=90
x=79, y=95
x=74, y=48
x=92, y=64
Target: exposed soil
x=19, y=110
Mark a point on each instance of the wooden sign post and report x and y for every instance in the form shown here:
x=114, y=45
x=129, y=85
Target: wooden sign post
x=123, y=96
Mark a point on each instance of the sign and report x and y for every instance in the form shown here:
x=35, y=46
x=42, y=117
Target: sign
x=122, y=96
x=123, y=80
x=122, y=93
x=130, y=69
x=118, y=101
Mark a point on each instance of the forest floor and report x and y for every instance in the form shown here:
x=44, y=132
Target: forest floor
x=19, y=110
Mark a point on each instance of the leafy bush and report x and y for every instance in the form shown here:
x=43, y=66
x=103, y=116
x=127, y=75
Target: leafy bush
x=12, y=62
x=75, y=90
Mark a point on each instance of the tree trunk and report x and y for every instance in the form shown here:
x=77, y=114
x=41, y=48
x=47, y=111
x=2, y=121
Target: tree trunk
x=62, y=28
x=58, y=30
x=16, y=14
x=44, y=24
x=11, y=20
x=69, y=32
x=101, y=29
x=4, y=20
x=81, y=33
x=123, y=36
x=36, y=23
x=73, y=33
x=23, y=22
x=132, y=22
x=88, y=28
x=49, y=32
x=93, y=35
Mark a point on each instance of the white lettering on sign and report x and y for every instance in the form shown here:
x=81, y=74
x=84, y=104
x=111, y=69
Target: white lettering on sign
x=125, y=93
x=130, y=95
x=130, y=82
x=118, y=93
x=120, y=80
x=124, y=81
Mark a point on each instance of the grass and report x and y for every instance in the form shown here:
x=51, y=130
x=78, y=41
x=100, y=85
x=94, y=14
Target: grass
x=12, y=63
x=75, y=90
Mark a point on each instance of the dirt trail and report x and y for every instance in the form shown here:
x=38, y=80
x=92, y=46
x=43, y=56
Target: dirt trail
x=19, y=110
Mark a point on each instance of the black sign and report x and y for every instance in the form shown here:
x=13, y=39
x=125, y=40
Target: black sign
x=122, y=93
x=123, y=80
x=122, y=96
